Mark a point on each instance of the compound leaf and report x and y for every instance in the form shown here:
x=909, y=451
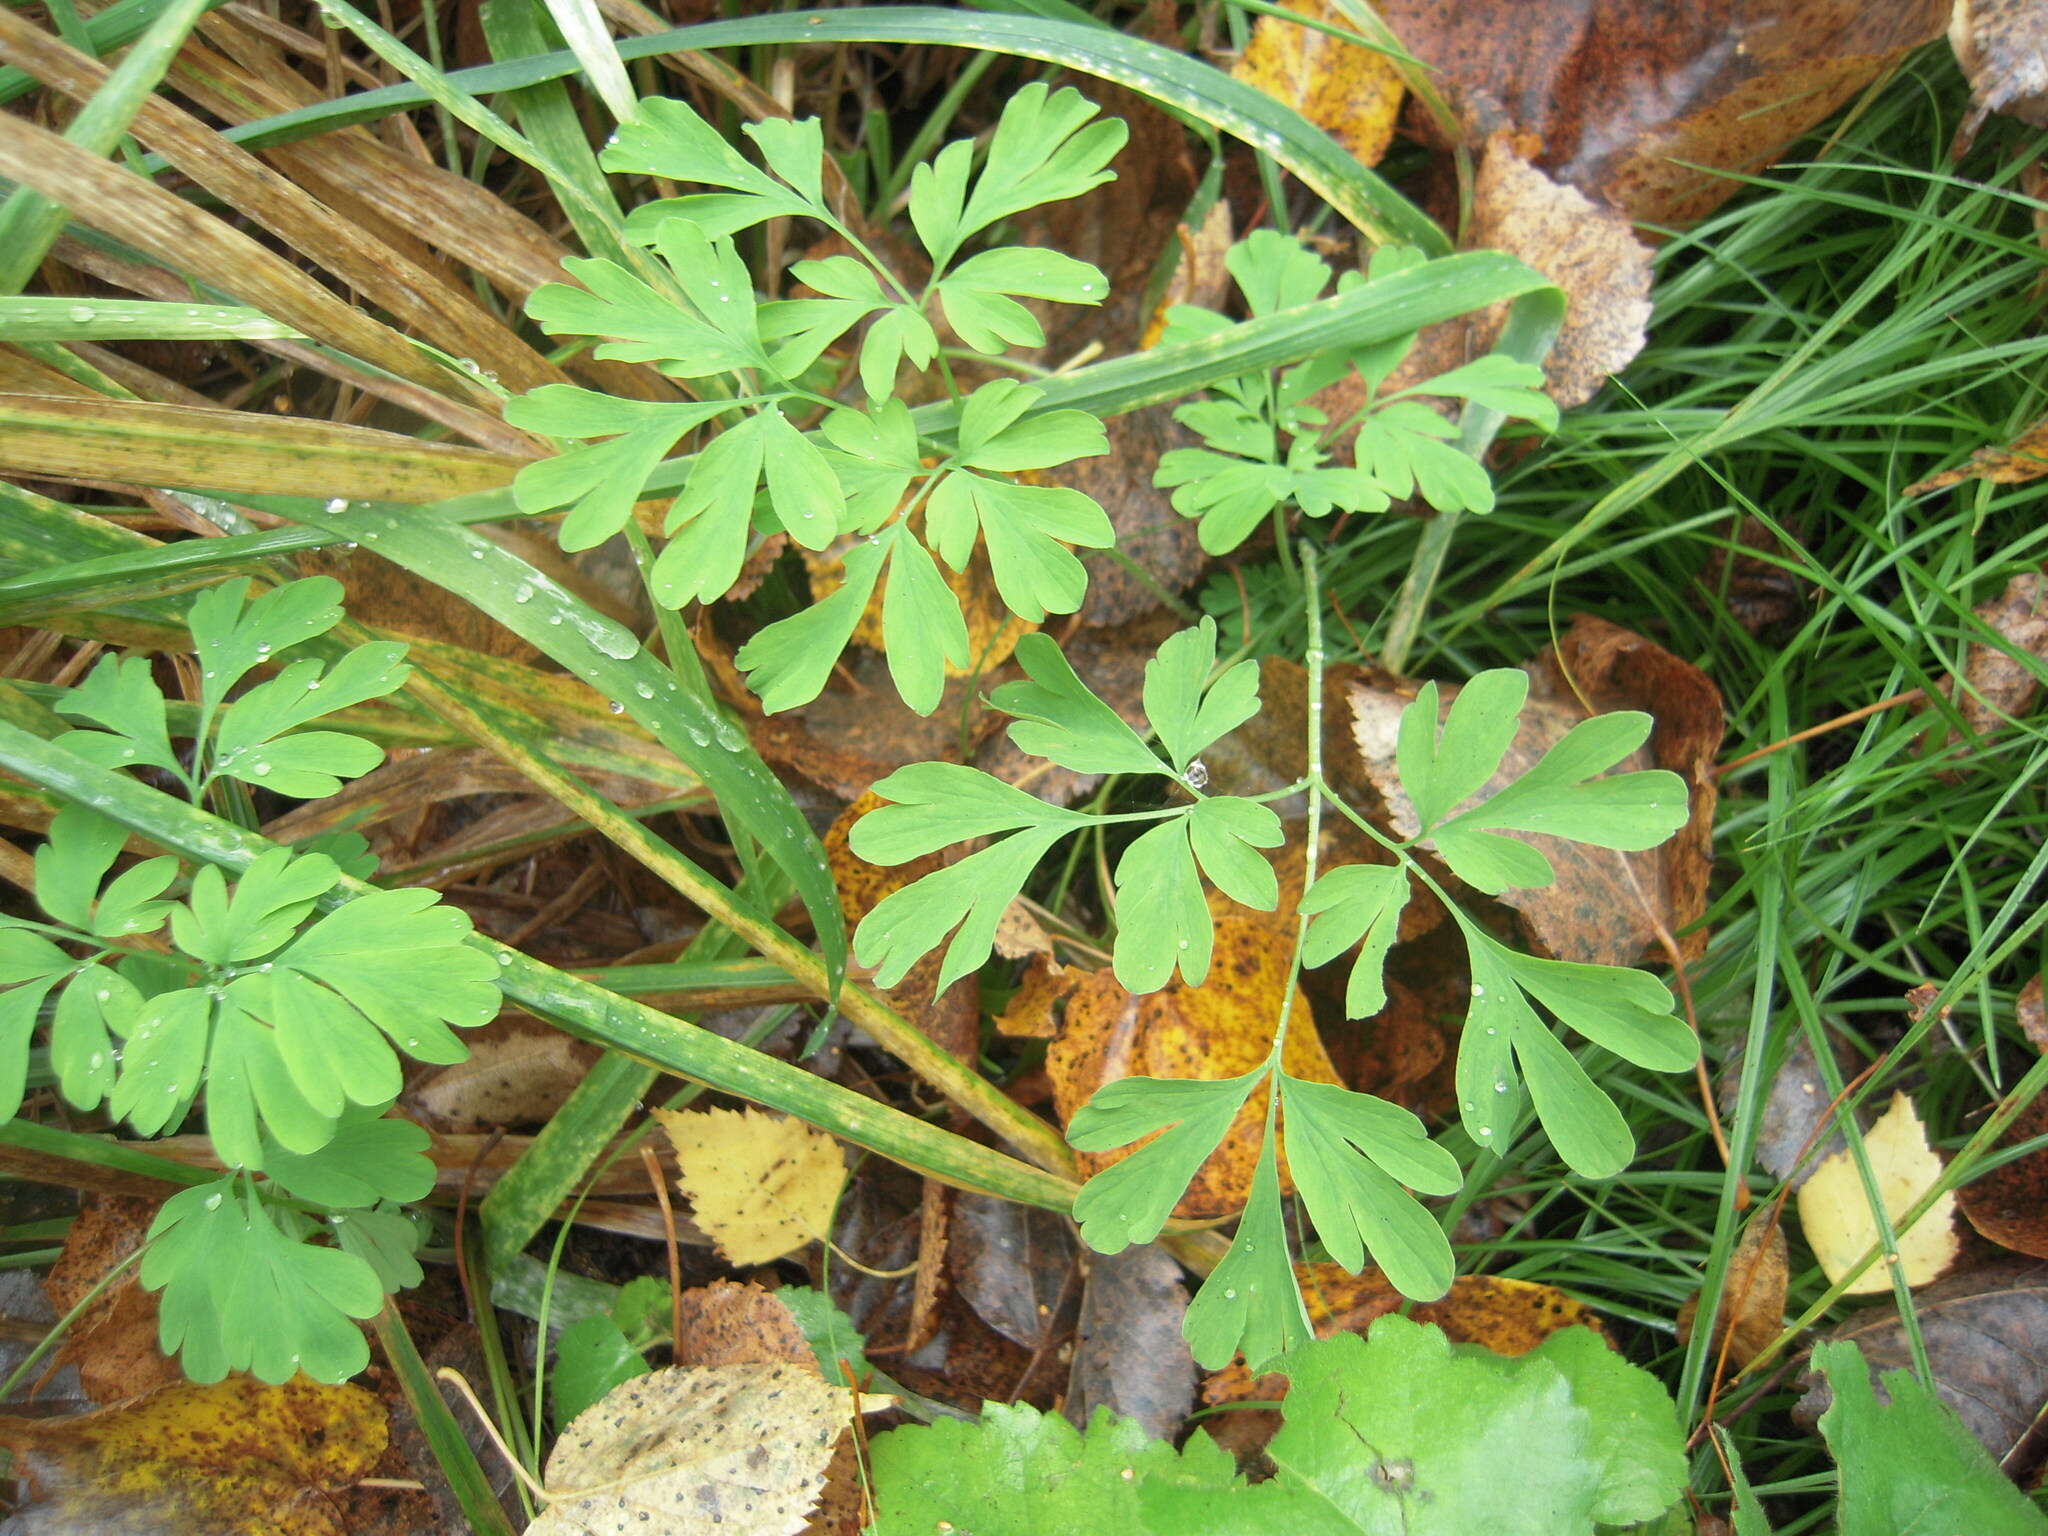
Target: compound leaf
x=1251, y=1303
x=971, y=895
x=1129, y=1201
x=1187, y=709
x=788, y=662
x=1162, y=917
x=1350, y=903
x=369, y=1158
x=240, y=1295
x=1061, y=720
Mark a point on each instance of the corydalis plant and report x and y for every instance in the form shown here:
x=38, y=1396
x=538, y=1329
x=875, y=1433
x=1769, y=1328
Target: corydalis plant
x=872, y=484
x=1267, y=449
x=1353, y=1157
x=284, y=1024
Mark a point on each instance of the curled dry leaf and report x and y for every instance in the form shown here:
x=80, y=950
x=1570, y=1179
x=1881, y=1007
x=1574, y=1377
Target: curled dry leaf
x=1836, y=1216
x=760, y=1185
x=1014, y=1264
x=2031, y=1011
x=2002, y=681
x=2024, y=458
x=1641, y=103
x=236, y=1458
x=1129, y=1355
x=1983, y=1331
x=518, y=1073
x=1219, y=1029
x=2002, y=46
x=1032, y=1011
x=2009, y=1205
x=1752, y=1307
x=1603, y=908
x=742, y=1448
x=1351, y=92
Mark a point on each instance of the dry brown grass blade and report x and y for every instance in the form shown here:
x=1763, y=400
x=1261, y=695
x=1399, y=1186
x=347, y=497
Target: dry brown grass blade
x=157, y=282
x=138, y=212
x=415, y=295
x=235, y=451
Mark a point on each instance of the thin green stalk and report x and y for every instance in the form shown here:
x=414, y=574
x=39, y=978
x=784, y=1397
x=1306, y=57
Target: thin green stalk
x=458, y=1463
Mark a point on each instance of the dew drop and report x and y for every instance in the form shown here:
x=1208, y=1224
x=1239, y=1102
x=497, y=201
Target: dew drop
x=554, y=618
x=95, y=1061
x=1478, y=990
x=1491, y=1030
x=504, y=959
x=1230, y=1294
x=212, y=1202
x=1183, y=944
x=697, y=736
x=1500, y=1087
x=1486, y=1130
x=643, y=690
x=82, y=312
x=1468, y=1106
x=522, y=593
x=615, y=707
x=337, y=504
x=729, y=735
x=315, y=683
x=476, y=554
x=262, y=768
x=1197, y=776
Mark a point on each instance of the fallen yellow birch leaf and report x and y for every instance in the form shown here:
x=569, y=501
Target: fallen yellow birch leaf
x=1837, y=1218
x=760, y=1185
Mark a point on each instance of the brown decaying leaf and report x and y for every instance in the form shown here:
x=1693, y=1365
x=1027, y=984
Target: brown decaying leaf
x=1129, y=1355
x=1758, y=592
x=1998, y=683
x=1589, y=251
x=760, y=1185
x=1639, y=104
x=1031, y=1013
x=1149, y=532
x=1983, y=1331
x=1220, y=1029
x=727, y=1323
x=237, y=1458
x=743, y=1448
x=2031, y=1012
x=1603, y=908
x=1014, y=1264
x=1351, y=92
x=114, y=1344
x=1792, y=1137
x=2002, y=46
x=517, y=1074
x=2009, y=1204
x=1752, y=1307
x=1835, y=1214
x=2024, y=458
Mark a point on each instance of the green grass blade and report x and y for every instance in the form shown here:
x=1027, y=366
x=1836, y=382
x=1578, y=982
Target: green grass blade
x=493, y=580
x=42, y=318
x=466, y=1477
x=1174, y=79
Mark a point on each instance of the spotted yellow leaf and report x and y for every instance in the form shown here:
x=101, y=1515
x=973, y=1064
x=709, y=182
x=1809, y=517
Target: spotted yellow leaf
x=759, y=1185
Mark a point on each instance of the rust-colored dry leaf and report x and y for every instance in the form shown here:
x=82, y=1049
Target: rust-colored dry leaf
x=1019, y=933
x=1401, y=1051
x=1835, y=1214
x=2009, y=1204
x=1757, y=590
x=760, y=1185
x=2031, y=1012
x=2003, y=681
x=1351, y=92
x=1639, y=103
x=114, y=1344
x=2002, y=46
x=1200, y=277
x=2024, y=458
x=727, y=1323
x=1220, y=1029
x=237, y=1458
x=1983, y=1332
x=1589, y=251
x=517, y=1074
x=1604, y=908
x=1752, y=1309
